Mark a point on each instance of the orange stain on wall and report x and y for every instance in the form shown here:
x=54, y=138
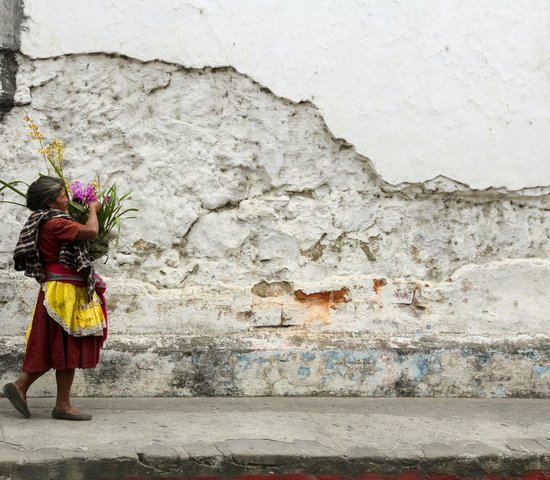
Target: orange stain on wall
x=320, y=303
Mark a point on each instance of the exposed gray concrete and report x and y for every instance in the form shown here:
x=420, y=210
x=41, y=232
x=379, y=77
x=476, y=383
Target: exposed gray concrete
x=272, y=363
x=159, y=437
x=11, y=17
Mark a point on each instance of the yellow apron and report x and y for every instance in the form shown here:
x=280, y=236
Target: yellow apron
x=68, y=305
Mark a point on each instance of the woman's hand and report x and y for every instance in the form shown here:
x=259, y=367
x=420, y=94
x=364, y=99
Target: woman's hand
x=96, y=206
x=91, y=229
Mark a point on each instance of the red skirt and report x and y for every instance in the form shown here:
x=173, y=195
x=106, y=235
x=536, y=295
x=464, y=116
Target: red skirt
x=49, y=346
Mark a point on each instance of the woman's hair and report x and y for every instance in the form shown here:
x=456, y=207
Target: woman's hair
x=43, y=191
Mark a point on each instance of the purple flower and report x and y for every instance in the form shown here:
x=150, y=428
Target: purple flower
x=78, y=193
x=84, y=196
x=90, y=193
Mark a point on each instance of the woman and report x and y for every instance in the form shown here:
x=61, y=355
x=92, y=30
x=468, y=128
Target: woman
x=69, y=323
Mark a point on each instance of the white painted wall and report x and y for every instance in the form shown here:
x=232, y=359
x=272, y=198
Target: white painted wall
x=459, y=88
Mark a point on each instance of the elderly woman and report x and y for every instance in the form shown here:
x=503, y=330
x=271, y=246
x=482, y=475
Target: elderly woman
x=69, y=323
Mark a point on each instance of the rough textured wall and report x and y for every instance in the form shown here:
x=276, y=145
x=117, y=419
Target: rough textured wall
x=268, y=256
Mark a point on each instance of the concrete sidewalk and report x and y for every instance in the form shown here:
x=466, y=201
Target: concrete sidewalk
x=347, y=437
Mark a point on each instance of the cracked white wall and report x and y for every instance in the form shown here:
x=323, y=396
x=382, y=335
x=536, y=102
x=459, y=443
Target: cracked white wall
x=236, y=186
x=455, y=88
x=277, y=258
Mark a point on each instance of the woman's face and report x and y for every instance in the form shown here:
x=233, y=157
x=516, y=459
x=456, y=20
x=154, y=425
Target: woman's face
x=61, y=202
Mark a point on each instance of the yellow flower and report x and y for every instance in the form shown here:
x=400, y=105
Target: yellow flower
x=34, y=133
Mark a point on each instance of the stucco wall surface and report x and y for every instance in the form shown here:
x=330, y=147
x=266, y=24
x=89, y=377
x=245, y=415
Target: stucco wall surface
x=426, y=88
x=268, y=256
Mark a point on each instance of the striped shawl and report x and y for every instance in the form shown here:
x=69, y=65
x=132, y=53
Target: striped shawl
x=73, y=255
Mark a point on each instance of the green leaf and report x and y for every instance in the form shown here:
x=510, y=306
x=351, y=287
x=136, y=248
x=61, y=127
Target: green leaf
x=13, y=203
x=117, y=232
x=128, y=210
x=10, y=185
x=78, y=206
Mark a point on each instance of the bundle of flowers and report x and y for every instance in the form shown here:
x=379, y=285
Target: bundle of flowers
x=80, y=196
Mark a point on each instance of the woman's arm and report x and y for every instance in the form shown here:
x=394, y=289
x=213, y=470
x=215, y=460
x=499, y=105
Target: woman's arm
x=91, y=229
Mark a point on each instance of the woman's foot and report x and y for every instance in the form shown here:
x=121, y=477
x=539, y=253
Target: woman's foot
x=17, y=399
x=71, y=413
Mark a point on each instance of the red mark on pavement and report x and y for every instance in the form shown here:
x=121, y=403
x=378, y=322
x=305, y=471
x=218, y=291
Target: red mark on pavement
x=411, y=475
x=536, y=476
